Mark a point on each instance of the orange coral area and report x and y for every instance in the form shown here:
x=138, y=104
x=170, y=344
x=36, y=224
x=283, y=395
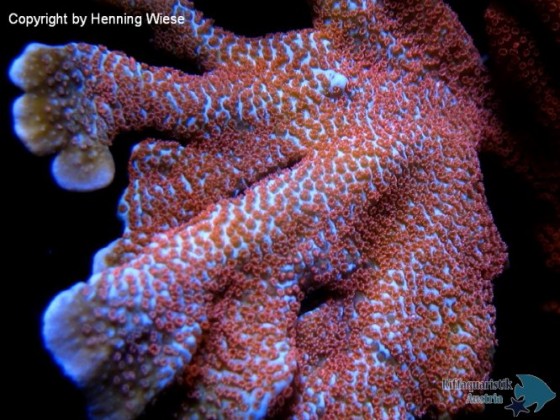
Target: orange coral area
x=339, y=160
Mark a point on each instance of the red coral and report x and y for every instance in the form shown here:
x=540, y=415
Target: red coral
x=523, y=45
x=338, y=160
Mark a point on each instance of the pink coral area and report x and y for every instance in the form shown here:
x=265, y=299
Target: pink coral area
x=341, y=158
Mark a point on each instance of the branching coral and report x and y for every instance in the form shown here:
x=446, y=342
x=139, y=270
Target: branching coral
x=341, y=158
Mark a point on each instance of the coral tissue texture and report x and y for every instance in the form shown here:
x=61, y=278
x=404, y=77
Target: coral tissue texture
x=524, y=42
x=338, y=161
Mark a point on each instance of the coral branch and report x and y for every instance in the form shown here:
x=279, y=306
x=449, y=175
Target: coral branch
x=339, y=161
x=196, y=39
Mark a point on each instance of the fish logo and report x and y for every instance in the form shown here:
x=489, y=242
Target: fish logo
x=531, y=391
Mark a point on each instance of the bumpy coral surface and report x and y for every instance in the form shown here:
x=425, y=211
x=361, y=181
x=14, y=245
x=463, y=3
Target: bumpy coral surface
x=341, y=158
x=524, y=43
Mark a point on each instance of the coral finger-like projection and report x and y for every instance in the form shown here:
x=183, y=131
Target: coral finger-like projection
x=339, y=160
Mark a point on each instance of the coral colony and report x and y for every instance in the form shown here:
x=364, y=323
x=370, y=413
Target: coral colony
x=341, y=158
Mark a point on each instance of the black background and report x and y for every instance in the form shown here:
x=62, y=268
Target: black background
x=50, y=235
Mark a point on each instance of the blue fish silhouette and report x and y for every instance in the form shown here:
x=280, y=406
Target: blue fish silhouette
x=533, y=390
